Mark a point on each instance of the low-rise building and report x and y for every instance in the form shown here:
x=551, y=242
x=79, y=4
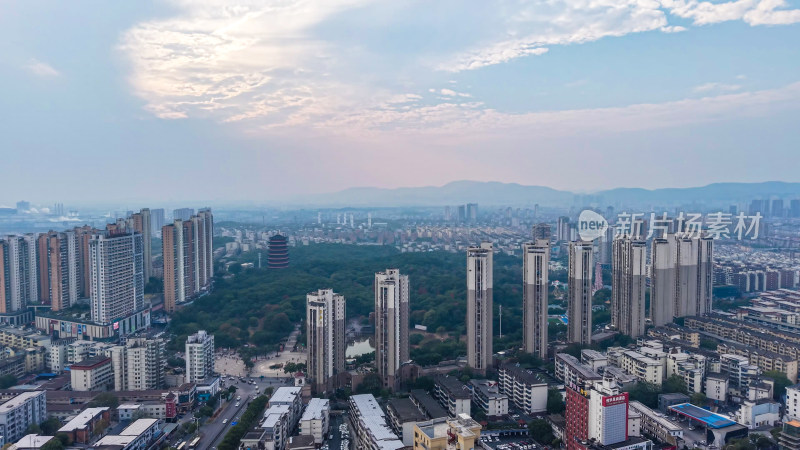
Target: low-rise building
x=643, y=367
x=315, y=419
x=92, y=374
x=487, y=396
x=402, y=416
x=453, y=395
x=276, y=427
x=291, y=397
x=371, y=428
x=792, y=403
x=460, y=433
x=524, y=388
x=594, y=359
x=31, y=442
x=20, y=410
x=572, y=372
x=427, y=404
x=717, y=387
x=86, y=424
x=657, y=425
x=136, y=436
x=754, y=414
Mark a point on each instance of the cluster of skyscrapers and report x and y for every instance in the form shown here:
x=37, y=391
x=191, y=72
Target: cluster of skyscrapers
x=110, y=267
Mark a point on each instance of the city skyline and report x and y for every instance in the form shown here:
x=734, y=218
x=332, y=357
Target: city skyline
x=301, y=96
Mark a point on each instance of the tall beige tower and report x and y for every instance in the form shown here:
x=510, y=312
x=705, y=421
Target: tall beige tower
x=535, y=262
x=325, y=337
x=579, y=307
x=479, y=306
x=391, y=324
x=628, y=282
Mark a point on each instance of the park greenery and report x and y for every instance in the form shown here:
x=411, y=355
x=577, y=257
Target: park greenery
x=256, y=309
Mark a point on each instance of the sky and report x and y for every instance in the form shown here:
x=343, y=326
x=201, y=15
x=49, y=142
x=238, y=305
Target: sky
x=251, y=101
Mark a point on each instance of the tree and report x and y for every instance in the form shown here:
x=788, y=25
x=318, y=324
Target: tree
x=64, y=438
x=6, y=381
x=698, y=399
x=415, y=339
x=739, y=444
x=101, y=426
x=176, y=362
x=33, y=429
x=540, y=430
x=53, y=444
x=50, y=426
x=555, y=403
x=781, y=383
x=645, y=393
x=371, y=384
x=673, y=384
x=106, y=399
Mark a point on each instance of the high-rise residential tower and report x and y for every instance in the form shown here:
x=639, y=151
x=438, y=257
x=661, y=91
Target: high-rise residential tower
x=391, y=324
x=479, y=306
x=142, y=224
x=19, y=281
x=535, y=262
x=182, y=213
x=60, y=269
x=579, y=307
x=325, y=336
x=681, y=277
x=199, y=356
x=157, y=221
x=188, y=258
x=541, y=231
x=117, y=275
x=628, y=283
x=563, y=229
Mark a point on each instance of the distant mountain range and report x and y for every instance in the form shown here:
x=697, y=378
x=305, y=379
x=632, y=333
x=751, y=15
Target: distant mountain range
x=496, y=193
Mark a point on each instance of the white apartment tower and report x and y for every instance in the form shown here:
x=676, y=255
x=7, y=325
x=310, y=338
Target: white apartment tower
x=535, y=263
x=479, y=306
x=199, y=356
x=579, y=307
x=325, y=335
x=391, y=324
x=628, y=280
x=117, y=275
x=138, y=364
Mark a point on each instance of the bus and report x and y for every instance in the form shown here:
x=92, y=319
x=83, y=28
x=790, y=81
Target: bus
x=181, y=446
x=193, y=444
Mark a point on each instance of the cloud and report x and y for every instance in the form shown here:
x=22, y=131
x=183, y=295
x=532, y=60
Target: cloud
x=452, y=93
x=719, y=87
x=453, y=121
x=752, y=12
x=267, y=66
x=41, y=69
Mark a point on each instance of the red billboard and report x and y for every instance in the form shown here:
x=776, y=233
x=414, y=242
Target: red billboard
x=615, y=399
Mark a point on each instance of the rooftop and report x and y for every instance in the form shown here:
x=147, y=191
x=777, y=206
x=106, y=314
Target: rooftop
x=430, y=406
x=273, y=414
x=138, y=427
x=710, y=419
x=284, y=395
x=315, y=409
x=82, y=419
x=33, y=441
x=91, y=363
x=20, y=399
x=405, y=410
x=454, y=388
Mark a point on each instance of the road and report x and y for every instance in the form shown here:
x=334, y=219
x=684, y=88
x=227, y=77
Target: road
x=214, y=430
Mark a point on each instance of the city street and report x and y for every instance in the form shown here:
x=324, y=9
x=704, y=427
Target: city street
x=214, y=431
